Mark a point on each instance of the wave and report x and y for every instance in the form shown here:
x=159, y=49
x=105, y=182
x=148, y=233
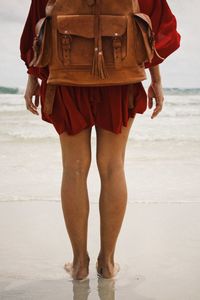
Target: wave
x=181, y=91
x=51, y=137
x=168, y=91
x=9, y=90
x=21, y=199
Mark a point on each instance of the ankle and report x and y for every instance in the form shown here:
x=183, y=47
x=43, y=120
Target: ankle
x=105, y=259
x=82, y=259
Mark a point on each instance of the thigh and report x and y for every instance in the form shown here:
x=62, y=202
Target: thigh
x=111, y=146
x=76, y=149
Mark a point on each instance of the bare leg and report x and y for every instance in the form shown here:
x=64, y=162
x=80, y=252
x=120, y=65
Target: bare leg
x=76, y=158
x=113, y=196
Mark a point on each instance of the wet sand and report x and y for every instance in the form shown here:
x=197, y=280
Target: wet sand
x=158, y=252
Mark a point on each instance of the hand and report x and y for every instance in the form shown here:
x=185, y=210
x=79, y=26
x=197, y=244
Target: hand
x=32, y=89
x=155, y=91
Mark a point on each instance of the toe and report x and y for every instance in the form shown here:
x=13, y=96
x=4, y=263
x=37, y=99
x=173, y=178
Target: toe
x=100, y=271
x=116, y=268
x=68, y=267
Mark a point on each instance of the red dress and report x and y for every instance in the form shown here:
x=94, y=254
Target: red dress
x=76, y=107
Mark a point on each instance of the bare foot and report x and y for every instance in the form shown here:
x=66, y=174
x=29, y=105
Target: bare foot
x=77, y=271
x=107, y=271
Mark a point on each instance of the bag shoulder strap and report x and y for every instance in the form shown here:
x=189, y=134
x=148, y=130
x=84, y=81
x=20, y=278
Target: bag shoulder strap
x=135, y=6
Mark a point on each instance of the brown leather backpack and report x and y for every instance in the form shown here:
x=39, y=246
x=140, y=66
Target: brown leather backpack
x=93, y=43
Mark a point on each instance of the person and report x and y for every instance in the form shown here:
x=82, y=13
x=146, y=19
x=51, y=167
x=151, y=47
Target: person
x=75, y=111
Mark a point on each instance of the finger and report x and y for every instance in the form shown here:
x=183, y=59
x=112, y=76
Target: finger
x=156, y=111
x=37, y=100
x=29, y=101
x=150, y=102
x=33, y=105
x=158, y=104
x=31, y=109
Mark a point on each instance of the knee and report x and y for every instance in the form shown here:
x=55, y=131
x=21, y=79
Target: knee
x=76, y=168
x=110, y=167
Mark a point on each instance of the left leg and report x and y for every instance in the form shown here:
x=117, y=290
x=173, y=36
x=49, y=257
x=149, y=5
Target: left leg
x=113, y=197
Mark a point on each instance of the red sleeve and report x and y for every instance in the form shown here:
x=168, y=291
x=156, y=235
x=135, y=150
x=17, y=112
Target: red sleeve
x=36, y=12
x=167, y=39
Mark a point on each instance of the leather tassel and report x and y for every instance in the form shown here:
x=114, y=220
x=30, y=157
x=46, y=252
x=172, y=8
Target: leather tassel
x=94, y=63
x=101, y=66
x=98, y=66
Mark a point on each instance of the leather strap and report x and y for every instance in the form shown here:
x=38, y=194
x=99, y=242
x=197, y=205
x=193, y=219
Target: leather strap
x=117, y=46
x=130, y=96
x=90, y=2
x=49, y=98
x=97, y=26
x=66, y=48
x=49, y=7
x=98, y=65
x=135, y=6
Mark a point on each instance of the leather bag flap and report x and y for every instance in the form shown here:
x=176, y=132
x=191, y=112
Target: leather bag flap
x=113, y=24
x=83, y=25
x=144, y=23
x=144, y=20
x=41, y=45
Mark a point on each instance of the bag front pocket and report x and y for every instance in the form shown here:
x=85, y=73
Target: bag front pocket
x=76, y=39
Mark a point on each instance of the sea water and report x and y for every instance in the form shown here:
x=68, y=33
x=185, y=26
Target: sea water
x=163, y=154
x=178, y=121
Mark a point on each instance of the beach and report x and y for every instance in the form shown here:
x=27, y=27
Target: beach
x=158, y=252
x=159, y=243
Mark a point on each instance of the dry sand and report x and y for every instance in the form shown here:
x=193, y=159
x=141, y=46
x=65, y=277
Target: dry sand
x=158, y=252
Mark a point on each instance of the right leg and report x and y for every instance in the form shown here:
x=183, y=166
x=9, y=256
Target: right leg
x=76, y=159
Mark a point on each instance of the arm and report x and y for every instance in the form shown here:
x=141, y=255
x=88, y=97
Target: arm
x=36, y=12
x=155, y=90
x=167, y=40
x=32, y=89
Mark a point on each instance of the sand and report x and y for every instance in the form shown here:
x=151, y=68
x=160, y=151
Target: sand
x=159, y=243
x=158, y=252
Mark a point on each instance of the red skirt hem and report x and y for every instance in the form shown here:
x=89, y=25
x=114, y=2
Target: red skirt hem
x=77, y=108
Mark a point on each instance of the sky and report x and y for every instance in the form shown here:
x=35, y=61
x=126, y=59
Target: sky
x=181, y=69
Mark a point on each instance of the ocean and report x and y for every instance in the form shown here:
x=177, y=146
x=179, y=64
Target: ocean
x=178, y=121
x=162, y=154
